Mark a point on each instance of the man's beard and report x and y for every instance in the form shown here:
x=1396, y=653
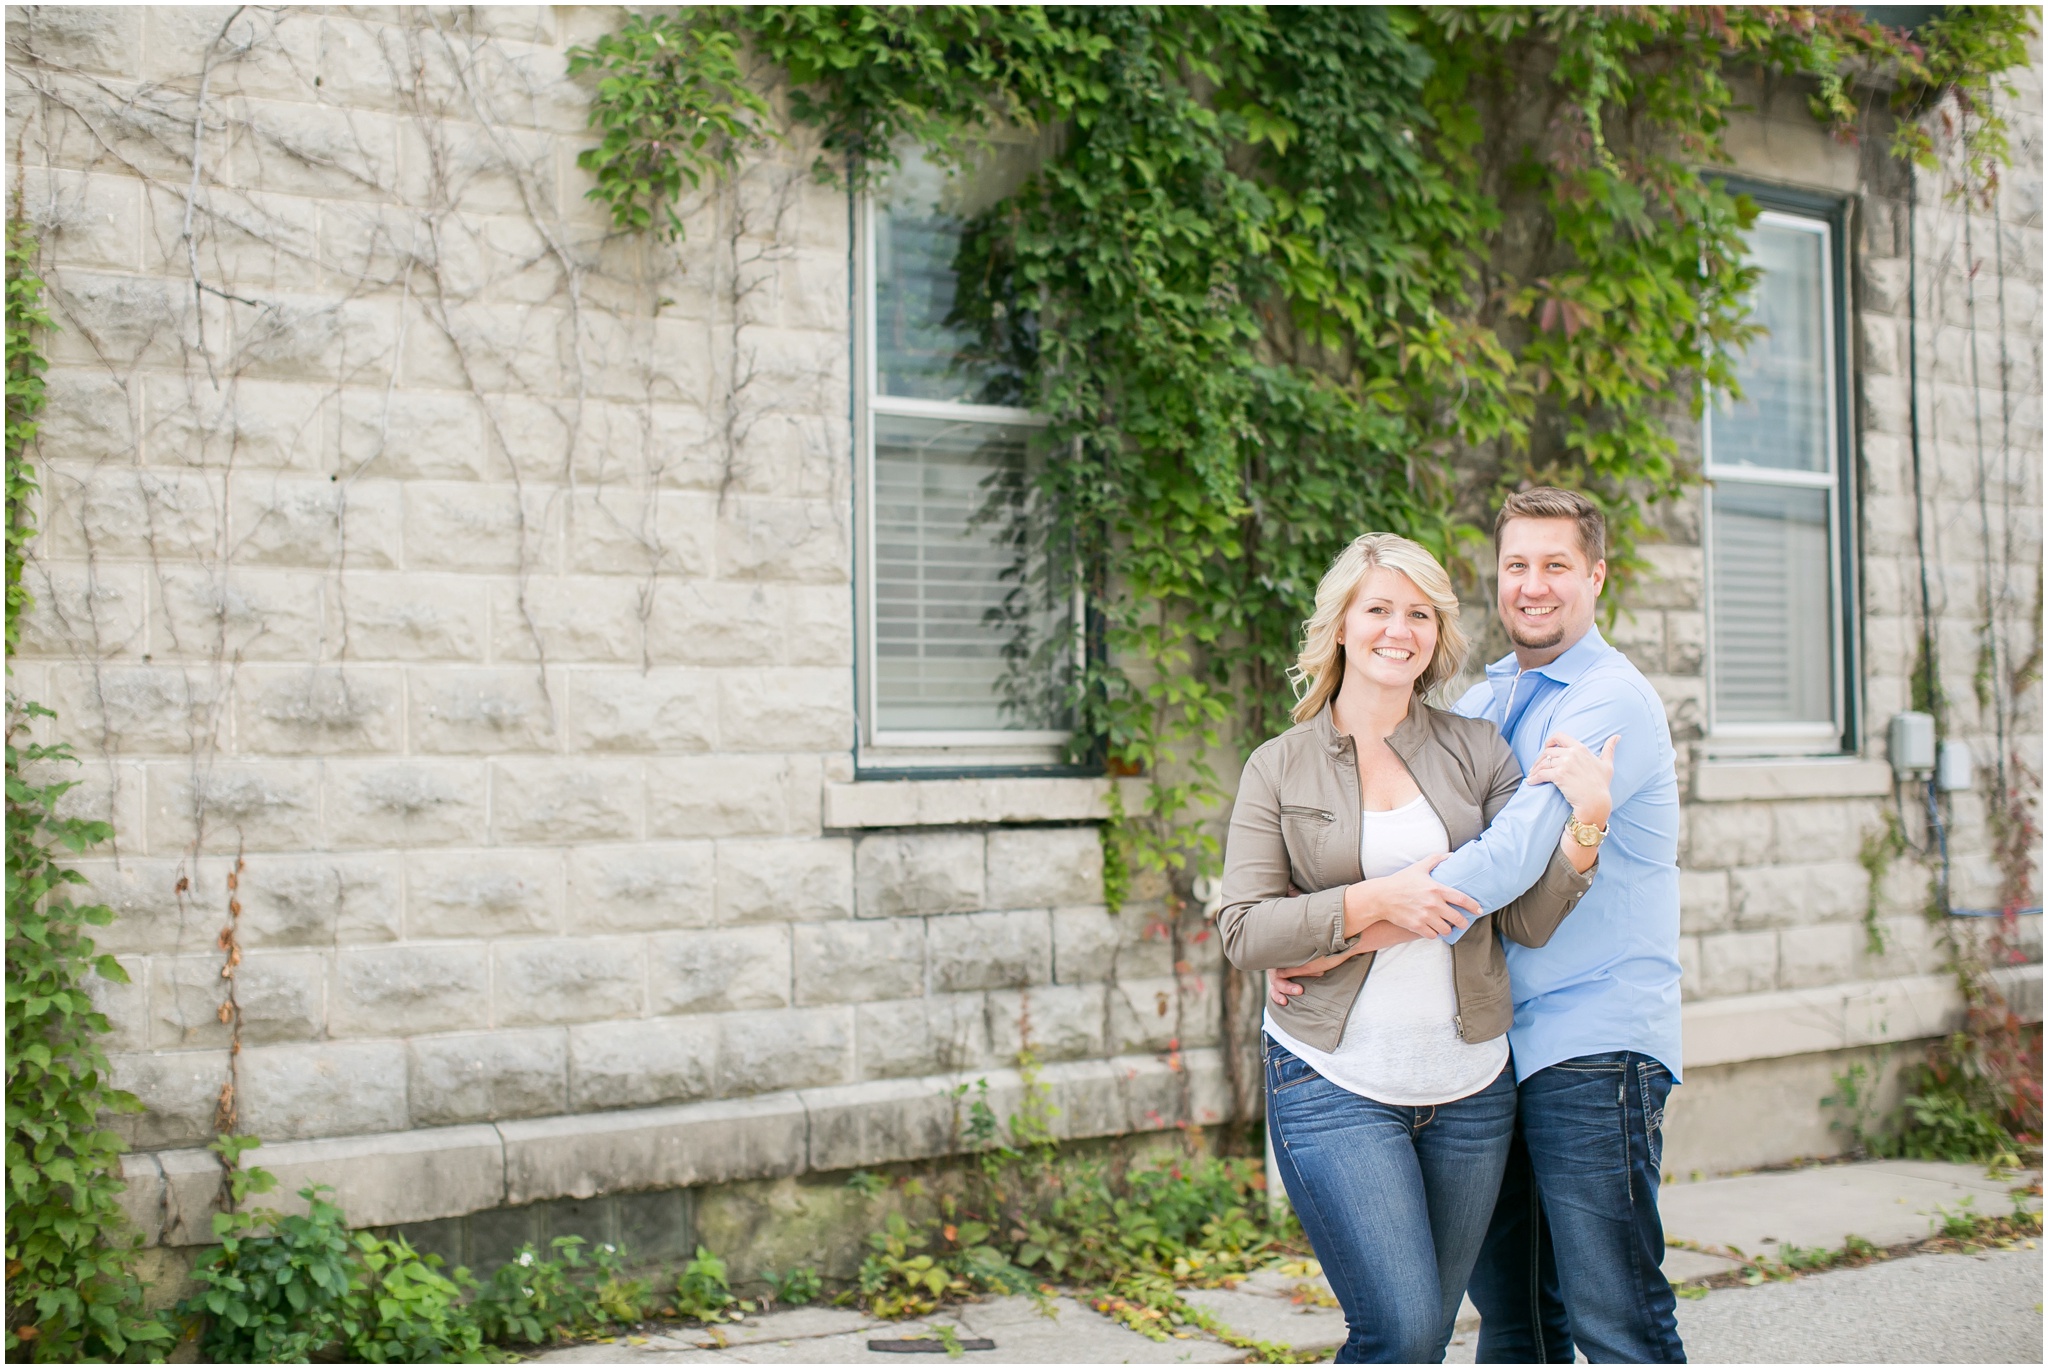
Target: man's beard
x=1520, y=633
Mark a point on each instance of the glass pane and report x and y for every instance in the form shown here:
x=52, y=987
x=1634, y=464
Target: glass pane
x=919, y=215
x=1773, y=602
x=1781, y=421
x=968, y=635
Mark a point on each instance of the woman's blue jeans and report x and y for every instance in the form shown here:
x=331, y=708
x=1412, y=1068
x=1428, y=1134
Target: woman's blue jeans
x=1395, y=1200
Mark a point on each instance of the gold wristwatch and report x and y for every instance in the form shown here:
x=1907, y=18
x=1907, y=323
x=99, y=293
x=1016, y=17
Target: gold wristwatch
x=1584, y=833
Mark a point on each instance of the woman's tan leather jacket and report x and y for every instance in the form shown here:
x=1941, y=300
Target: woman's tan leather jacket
x=1296, y=824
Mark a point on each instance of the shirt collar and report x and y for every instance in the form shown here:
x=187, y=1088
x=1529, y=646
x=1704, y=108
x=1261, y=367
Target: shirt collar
x=1566, y=669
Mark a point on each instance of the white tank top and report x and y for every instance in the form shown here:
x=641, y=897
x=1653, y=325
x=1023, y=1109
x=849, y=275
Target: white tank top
x=1400, y=1044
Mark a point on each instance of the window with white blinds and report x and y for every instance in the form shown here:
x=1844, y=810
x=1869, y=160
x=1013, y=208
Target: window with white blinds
x=966, y=627
x=1774, y=520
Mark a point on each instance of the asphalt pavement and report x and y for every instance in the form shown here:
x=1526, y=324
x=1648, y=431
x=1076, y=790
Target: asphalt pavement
x=1932, y=1309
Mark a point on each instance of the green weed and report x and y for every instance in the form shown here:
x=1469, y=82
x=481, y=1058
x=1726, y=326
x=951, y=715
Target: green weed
x=702, y=1291
x=284, y=1289
x=797, y=1286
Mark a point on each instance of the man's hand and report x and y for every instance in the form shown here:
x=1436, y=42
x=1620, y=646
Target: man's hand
x=1280, y=983
x=1411, y=900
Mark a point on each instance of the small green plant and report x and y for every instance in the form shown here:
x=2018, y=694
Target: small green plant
x=1856, y=1100
x=912, y=1267
x=796, y=1287
x=403, y=1310
x=1134, y=1237
x=620, y=1296
x=1959, y=1223
x=1806, y=1259
x=982, y=1131
x=284, y=1289
x=534, y=1300
x=1758, y=1269
x=866, y=1184
x=1945, y=1123
x=1031, y=1125
x=702, y=1291
x=899, y=1278
x=277, y=1288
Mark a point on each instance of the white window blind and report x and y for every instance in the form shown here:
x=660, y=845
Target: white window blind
x=1773, y=516
x=942, y=577
x=1772, y=607
x=967, y=629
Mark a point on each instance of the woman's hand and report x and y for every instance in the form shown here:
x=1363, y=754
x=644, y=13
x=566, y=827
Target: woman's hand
x=1410, y=900
x=1582, y=777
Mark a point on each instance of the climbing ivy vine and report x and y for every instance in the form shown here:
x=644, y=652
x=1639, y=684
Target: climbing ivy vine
x=25, y=398
x=70, y=1292
x=1299, y=272
x=675, y=107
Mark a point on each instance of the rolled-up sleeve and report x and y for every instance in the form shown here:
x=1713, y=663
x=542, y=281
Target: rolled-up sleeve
x=1520, y=843
x=1262, y=925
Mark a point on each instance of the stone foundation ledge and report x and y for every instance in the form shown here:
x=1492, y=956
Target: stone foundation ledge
x=1869, y=1012
x=431, y=1173
x=974, y=802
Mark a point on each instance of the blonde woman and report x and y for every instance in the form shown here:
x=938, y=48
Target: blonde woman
x=1387, y=1094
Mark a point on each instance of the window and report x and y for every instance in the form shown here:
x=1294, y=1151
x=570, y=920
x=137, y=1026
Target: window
x=966, y=625
x=1778, y=573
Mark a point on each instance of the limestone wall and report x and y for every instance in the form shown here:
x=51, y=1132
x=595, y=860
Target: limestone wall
x=476, y=583
x=473, y=585
x=1776, y=895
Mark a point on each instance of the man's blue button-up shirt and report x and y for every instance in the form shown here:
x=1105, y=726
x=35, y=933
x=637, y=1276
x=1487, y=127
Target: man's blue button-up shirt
x=1608, y=979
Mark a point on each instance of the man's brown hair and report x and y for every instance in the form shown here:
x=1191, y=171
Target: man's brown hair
x=1548, y=501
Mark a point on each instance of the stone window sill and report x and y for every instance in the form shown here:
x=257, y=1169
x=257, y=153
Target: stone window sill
x=967, y=802
x=1833, y=777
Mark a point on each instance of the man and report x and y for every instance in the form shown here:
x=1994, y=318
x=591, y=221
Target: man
x=1576, y=1245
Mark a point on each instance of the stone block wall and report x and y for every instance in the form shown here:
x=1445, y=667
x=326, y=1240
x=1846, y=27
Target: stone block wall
x=454, y=596
x=1775, y=891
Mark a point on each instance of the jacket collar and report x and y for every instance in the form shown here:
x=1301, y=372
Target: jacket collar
x=1575, y=661
x=1409, y=737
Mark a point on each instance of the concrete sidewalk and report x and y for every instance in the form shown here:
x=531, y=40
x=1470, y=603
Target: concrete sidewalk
x=1927, y=1308
x=1885, y=1202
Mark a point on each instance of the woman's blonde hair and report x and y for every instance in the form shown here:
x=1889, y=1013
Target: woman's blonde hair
x=1320, y=668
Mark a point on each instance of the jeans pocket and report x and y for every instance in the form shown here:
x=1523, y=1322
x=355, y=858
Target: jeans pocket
x=1285, y=1070
x=1655, y=1083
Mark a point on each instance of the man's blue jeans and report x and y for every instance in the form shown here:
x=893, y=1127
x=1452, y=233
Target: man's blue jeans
x=1395, y=1200
x=1576, y=1248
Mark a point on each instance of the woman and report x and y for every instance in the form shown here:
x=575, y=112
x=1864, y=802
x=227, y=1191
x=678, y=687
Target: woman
x=1388, y=1094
